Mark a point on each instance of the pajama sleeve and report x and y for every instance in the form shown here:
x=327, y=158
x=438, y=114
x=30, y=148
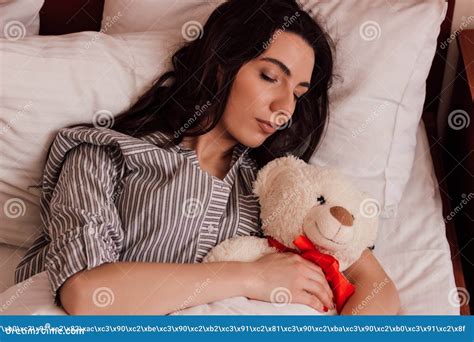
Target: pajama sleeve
x=82, y=220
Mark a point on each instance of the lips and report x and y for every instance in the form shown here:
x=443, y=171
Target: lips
x=266, y=126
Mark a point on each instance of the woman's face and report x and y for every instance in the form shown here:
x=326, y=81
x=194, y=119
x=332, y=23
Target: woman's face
x=264, y=93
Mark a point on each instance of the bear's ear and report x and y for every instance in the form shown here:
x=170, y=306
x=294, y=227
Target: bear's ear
x=275, y=169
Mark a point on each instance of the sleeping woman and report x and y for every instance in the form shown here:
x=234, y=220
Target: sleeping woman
x=131, y=210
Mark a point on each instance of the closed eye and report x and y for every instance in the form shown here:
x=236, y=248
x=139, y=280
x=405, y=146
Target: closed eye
x=266, y=78
x=272, y=80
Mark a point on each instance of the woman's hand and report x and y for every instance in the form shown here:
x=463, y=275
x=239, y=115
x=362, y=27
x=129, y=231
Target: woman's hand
x=305, y=281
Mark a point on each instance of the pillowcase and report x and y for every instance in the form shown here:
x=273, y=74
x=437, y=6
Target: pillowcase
x=55, y=81
x=19, y=18
x=384, y=52
x=120, y=16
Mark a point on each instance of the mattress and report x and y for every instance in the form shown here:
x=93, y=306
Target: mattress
x=411, y=247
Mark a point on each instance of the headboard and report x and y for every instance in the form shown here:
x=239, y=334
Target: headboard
x=61, y=17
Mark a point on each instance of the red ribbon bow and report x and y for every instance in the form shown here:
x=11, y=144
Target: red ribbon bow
x=341, y=287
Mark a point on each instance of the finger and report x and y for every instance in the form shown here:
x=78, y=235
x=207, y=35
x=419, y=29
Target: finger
x=312, y=301
x=311, y=265
x=318, y=290
x=319, y=277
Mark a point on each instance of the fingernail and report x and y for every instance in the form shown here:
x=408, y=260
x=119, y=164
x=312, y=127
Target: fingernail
x=325, y=309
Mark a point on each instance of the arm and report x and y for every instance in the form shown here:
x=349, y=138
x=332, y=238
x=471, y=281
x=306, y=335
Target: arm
x=136, y=288
x=376, y=293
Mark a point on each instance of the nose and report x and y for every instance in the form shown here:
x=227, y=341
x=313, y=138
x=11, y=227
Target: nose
x=342, y=215
x=283, y=105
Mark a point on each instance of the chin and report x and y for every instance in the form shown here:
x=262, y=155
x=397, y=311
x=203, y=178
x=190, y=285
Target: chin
x=252, y=142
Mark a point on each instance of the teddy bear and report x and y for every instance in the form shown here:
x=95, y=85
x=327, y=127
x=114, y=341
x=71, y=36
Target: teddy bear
x=310, y=210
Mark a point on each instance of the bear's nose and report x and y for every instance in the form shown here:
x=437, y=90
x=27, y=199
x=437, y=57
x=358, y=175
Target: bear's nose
x=342, y=215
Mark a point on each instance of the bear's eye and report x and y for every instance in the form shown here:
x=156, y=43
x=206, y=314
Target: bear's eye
x=321, y=200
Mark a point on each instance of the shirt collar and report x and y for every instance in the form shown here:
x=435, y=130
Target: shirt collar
x=165, y=140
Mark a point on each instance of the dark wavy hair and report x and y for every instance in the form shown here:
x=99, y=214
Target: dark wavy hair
x=236, y=32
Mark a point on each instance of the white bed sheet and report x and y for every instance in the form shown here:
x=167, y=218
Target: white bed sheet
x=412, y=248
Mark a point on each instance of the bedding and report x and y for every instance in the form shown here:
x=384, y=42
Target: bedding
x=411, y=247
x=382, y=63
x=57, y=81
x=19, y=18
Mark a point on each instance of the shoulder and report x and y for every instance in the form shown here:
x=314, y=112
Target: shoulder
x=86, y=144
x=74, y=136
x=95, y=149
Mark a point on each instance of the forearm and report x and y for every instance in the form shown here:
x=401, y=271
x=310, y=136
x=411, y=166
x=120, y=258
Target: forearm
x=375, y=298
x=375, y=294
x=135, y=288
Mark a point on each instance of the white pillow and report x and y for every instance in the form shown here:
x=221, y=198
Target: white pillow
x=384, y=53
x=19, y=18
x=52, y=82
x=49, y=82
x=121, y=16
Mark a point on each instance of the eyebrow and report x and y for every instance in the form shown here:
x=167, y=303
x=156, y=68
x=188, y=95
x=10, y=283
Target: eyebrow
x=283, y=67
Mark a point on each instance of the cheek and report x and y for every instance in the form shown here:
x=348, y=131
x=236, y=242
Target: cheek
x=248, y=94
x=246, y=102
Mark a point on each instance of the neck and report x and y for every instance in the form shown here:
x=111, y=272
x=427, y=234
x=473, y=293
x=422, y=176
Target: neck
x=214, y=150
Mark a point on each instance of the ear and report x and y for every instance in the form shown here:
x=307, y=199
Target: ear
x=278, y=167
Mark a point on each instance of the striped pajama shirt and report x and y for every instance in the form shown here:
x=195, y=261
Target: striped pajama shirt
x=108, y=197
